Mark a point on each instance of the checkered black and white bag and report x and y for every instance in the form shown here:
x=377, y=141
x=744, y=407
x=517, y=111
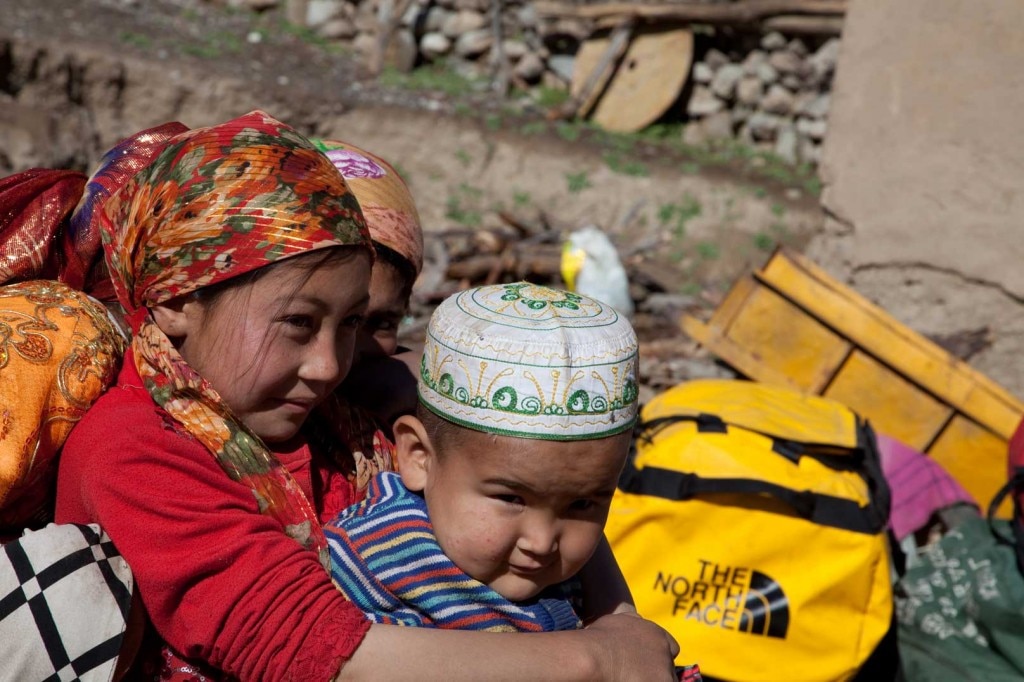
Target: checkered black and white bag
x=64, y=599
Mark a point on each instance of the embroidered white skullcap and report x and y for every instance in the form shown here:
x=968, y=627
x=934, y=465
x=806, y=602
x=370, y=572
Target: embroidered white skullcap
x=528, y=361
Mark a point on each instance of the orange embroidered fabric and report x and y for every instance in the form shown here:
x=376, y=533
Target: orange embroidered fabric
x=58, y=352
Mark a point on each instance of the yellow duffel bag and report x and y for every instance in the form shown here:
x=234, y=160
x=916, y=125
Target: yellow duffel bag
x=751, y=524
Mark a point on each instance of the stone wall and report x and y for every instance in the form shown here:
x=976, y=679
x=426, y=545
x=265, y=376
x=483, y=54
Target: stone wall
x=774, y=95
x=923, y=170
x=770, y=91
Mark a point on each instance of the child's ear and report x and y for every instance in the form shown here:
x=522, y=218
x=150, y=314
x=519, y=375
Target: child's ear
x=414, y=452
x=176, y=317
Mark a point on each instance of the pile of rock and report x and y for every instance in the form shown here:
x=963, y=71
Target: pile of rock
x=775, y=96
x=461, y=32
x=768, y=91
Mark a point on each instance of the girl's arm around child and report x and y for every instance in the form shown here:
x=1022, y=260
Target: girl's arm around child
x=616, y=647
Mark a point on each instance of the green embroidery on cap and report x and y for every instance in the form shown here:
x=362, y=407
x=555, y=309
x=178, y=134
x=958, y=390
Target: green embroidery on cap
x=528, y=360
x=514, y=292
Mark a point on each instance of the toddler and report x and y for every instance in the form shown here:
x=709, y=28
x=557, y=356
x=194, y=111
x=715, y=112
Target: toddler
x=528, y=397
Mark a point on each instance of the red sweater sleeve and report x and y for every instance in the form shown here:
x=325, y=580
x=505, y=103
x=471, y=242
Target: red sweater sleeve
x=221, y=582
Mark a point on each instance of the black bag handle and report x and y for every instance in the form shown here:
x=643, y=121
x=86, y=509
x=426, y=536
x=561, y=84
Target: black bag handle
x=833, y=456
x=824, y=510
x=818, y=508
x=1016, y=481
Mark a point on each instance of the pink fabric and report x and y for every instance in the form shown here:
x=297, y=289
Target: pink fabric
x=919, y=485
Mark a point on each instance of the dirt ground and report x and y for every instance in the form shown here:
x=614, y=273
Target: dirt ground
x=77, y=75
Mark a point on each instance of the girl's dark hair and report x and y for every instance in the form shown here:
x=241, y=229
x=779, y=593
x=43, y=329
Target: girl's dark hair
x=307, y=262
x=405, y=269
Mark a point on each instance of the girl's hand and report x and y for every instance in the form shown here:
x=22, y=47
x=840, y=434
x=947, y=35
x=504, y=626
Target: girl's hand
x=632, y=648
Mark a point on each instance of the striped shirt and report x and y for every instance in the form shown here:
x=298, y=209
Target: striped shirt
x=386, y=559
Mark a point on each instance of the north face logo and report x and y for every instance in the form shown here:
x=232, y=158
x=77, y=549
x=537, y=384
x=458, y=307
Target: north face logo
x=731, y=597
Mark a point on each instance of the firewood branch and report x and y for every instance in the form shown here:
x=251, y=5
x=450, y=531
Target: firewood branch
x=743, y=12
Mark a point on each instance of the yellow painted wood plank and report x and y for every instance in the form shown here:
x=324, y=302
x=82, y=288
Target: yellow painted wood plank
x=914, y=356
x=740, y=358
x=976, y=458
x=789, y=340
x=733, y=304
x=895, y=406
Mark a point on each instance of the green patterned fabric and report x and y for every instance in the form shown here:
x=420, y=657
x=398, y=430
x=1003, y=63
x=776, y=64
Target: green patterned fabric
x=530, y=361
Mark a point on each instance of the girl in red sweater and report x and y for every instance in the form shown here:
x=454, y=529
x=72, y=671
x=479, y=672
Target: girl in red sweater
x=243, y=263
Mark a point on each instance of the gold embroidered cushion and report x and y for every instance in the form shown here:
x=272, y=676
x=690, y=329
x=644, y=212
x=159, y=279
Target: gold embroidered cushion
x=58, y=352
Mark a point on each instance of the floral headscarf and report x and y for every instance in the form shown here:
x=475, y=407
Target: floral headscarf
x=214, y=204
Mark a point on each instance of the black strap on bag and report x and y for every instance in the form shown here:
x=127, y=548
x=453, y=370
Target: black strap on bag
x=1015, y=484
x=818, y=508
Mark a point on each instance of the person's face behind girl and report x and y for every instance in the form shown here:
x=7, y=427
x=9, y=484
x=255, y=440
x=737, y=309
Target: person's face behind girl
x=276, y=346
x=389, y=301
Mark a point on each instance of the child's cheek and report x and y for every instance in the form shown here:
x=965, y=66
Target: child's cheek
x=492, y=542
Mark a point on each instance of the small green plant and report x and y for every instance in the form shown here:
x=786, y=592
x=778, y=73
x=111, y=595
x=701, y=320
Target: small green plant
x=311, y=37
x=708, y=250
x=778, y=210
x=618, y=164
x=662, y=132
x=675, y=216
x=813, y=185
x=216, y=45
x=492, y=122
x=690, y=289
x=758, y=164
x=533, y=128
x=138, y=40
x=462, y=207
x=763, y=242
x=521, y=199
x=464, y=157
x=760, y=192
x=690, y=168
x=577, y=182
x=619, y=142
x=203, y=51
x=569, y=132
x=436, y=77
x=548, y=97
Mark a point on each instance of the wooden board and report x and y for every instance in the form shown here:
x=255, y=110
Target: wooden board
x=648, y=80
x=790, y=324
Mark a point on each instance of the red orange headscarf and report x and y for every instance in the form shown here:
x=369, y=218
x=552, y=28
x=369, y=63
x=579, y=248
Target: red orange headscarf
x=216, y=203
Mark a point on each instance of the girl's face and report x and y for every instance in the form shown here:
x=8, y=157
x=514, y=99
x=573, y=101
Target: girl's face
x=389, y=301
x=276, y=348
